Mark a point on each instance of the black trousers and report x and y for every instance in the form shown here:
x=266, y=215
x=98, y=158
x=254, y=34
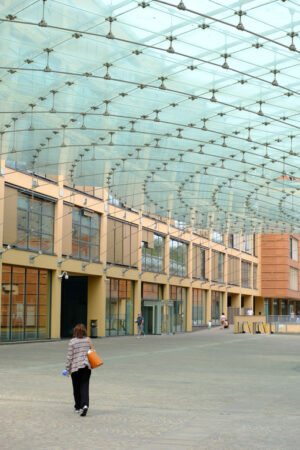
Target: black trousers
x=81, y=381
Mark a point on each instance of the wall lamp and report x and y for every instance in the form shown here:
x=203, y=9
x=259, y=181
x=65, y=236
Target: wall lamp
x=140, y=274
x=124, y=271
x=32, y=257
x=64, y=275
x=3, y=250
x=156, y=275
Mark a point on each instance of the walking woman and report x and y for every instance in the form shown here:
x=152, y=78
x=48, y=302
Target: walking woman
x=79, y=367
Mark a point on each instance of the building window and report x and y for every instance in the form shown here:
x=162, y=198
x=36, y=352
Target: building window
x=152, y=252
x=178, y=258
x=85, y=235
x=233, y=273
x=246, y=274
x=246, y=243
x=35, y=224
x=217, y=237
x=217, y=266
x=119, y=308
x=293, y=249
x=122, y=243
x=234, y=241
x=200, y=256
x=293, y=279
x=199, y=307
x=254, y=276
x=25, y=303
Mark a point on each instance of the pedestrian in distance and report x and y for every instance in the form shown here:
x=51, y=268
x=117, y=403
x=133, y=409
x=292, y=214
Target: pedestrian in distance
x=140, y=325
x=222, y=320
x=79, y=368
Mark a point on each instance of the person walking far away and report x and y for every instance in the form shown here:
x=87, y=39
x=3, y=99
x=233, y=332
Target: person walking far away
x=79, y=367
x=140, y=325
x=222, y=320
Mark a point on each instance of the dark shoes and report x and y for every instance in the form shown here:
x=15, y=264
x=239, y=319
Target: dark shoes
x=84, y=411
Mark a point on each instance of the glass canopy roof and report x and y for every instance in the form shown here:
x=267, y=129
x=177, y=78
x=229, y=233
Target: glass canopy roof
x=184, y=109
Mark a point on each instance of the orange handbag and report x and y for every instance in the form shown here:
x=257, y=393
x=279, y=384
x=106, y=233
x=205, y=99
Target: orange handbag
x=94, y=359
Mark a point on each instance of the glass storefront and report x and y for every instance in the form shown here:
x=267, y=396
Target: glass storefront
x=199, y=307
x=216, y=306
x=119, y=307
x=179, y=297
x=25, y=303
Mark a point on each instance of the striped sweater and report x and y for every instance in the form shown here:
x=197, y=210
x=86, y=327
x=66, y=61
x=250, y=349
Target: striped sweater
x=77, y=354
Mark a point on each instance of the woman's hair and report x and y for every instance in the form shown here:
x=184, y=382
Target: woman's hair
x=79, y=331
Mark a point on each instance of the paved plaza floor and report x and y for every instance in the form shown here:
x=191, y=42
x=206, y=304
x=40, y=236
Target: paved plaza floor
x=205, y=390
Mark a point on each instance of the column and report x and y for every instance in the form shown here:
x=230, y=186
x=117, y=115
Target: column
x=97, y=303
x=189, y=309
x=56, y=282
x=55, y=304
x=189, y=299
x=2, y=193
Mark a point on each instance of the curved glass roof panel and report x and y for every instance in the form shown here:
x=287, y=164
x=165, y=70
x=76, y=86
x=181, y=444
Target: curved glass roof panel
x=184, y=109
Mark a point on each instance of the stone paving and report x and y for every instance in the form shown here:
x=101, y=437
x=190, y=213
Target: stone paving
x=205, y=390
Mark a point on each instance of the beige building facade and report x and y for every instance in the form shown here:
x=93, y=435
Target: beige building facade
x=72, y=255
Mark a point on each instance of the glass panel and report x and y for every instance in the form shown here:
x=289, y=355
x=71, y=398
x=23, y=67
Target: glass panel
x=150, y=291
x=34, y=241
x=22, y=219
x=85, y=240
x=119, y=308
x=22, y=239
x=17, y=311
x=35, y=222
x=153, y=258
x=23, y=202
x=47, y=209
x=178, y=258
x=75, y=231
x=31, y=304
x=221, y=100
x=216, y=306
x=35, y=231
x=84, y=251
x=47, y=243
x=44, y=305
x=35, y=205
x=47, y=225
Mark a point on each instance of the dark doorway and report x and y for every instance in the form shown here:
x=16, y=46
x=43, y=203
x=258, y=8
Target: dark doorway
x=73, y=304
x=148, y=319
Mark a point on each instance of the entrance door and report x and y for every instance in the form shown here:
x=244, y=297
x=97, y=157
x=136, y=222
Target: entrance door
x=148, y=319
x=73, y=304
x=151, y=311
